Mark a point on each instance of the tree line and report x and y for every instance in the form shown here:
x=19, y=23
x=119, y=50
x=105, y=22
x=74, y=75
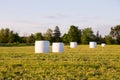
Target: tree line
x=82, y=36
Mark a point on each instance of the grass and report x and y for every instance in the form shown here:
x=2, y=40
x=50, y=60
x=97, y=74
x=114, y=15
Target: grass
x=81, y=63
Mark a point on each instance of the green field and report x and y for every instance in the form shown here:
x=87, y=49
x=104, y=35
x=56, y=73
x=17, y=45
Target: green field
x=81, y=63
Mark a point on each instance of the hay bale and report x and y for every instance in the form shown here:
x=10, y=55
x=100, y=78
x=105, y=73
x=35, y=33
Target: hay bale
x=92, y=44
x=73, y=44
x=103, y=44
x=42, y=47
x=58, y=47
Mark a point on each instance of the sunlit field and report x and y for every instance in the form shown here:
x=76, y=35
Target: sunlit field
x=81, y=63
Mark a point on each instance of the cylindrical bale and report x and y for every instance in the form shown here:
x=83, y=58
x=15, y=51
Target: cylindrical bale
x=42, y=47
x=92, y=44
x=58, y=47
x=73, y=44
x=103, y=44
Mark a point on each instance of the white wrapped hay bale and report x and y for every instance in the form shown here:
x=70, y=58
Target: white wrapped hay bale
x=42, y=47
x=103, y=44
x=92, y=44
x=58, y=47
x=73, y=44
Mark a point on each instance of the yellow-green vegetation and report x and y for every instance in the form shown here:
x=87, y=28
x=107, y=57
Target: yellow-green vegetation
x=81, y=63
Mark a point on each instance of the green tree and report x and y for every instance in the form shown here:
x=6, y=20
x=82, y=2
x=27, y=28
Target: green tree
x=115, y=34
x=23, y=39
x=13, y=37
x=98, y=38
x=8, y=36
x=2, y=36
x=109, y=40
x=74, y=34
x=38, y=36
x=56, y=34
x=87, y=35
x=65, y=38
x=31, y=39
x=48, y=35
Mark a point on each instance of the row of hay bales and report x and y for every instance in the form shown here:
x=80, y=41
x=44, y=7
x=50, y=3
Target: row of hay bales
x=44, y=46
x=94, y=44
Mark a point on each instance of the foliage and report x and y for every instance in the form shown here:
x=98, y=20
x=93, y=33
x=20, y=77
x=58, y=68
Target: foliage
x=38, y=36
x=65, y=38
x=74, y=34
x=8, y=36
x=98, y=38
x=109, y=40
x=115, y=33
x=48, y=35
x=87, y=35
x=56, y=34
x=31, y=38
x=81, y=63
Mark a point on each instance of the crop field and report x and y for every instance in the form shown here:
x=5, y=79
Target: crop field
x=81, y=63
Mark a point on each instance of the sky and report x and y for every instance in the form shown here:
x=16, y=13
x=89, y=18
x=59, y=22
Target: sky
x=31, y=16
